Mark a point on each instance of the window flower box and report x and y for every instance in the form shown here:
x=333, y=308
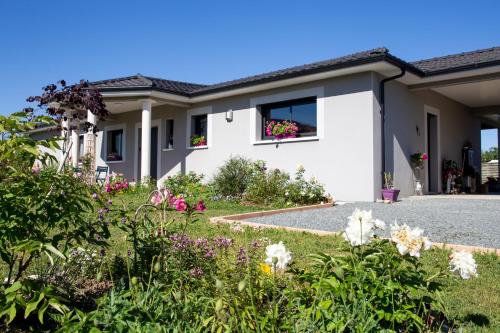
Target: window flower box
x=198, y=141
x=281, y=130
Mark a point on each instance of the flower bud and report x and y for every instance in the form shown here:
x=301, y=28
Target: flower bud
x=134, y=281
x=241, y=286
x=218, y=305
x=157, y=267
x=218, y=284
x=99, y=276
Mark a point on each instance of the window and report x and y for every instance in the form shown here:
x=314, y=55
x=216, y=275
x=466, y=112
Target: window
x=114, y=142
x=169, y=134
x=81, y=140
x=199, y=130
x=302, y=112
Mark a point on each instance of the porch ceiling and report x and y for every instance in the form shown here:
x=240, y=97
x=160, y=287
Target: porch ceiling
x=117, y=105
x=474, y=94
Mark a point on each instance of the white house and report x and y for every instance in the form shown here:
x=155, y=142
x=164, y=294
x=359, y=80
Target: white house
x=433, y=106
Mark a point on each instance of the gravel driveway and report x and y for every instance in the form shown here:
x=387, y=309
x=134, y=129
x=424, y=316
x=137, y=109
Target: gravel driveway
x=451, y=220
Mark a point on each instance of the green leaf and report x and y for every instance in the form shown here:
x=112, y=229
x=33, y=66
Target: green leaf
x=55, y=251
x=33, y=304
x=15, y=287
x=41, y=312
x=11, y=312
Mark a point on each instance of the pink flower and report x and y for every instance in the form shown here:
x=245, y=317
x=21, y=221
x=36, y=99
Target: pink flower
x=35, y=170
x=107, y=187
x=180, y=205
x=425, y=157
x=200, y=206
x=156, y=199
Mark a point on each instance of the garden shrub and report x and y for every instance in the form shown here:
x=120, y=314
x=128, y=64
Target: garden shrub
x=266, y=186
x=41, y=218
x=232, y=178
x=275, y=186
x=189, y=184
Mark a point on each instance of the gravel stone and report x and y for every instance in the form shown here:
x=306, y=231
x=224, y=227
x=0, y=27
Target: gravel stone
x=474, y=222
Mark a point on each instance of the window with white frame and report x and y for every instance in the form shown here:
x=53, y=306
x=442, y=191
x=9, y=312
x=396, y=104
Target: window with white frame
x=199, y=126
x=81, y=145
x=300, y=115
x=114, y=145
x=169, y=134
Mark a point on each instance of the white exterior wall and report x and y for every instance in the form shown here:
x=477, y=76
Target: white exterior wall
x=405, y=111
x=342, y=157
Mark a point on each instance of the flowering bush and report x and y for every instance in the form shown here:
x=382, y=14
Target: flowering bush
x=277, y=187
x=418, y=159
x=188, y=185
x=198, y=140
x=281, y=130
x=116, y=183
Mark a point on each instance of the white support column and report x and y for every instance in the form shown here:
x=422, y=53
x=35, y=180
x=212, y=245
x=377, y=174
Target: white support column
x=146, y=138
x=89, y=136
x=74, y=147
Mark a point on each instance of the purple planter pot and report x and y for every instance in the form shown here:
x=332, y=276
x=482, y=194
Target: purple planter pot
x=390, y=194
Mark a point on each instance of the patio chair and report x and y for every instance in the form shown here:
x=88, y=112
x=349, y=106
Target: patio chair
x=101, y=173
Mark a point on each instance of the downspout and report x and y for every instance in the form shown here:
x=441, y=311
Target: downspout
x=382, y=116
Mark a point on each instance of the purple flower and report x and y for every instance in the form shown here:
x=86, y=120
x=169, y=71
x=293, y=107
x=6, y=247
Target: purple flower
x=94, y=196
x=102, y=253
x=129, y=253
x=209, y=253
x=201, y=243
x=241, y=258
x=110, y=202
x=256, y=244
x=196, y=272
x=223, y=242
x=124, y=219
x=180, y=242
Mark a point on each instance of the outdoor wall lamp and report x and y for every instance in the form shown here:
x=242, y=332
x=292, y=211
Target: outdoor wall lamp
x=229, y=115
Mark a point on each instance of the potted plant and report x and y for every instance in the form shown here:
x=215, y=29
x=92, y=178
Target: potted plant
x=281, y=130
x=389, y=192
x=198, y=141
x=417, y=160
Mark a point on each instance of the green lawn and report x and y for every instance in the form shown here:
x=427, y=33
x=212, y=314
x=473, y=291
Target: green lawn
x=473, y=304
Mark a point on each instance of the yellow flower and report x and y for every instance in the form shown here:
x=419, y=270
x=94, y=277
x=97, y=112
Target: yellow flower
x=265, y=268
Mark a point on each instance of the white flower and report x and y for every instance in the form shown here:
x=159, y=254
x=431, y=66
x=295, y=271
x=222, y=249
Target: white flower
x=409, y=240
x=361, y=226
x=463, y=263
x=286, y=193
x=300, y=168
x=236, y=227
x=277, y=256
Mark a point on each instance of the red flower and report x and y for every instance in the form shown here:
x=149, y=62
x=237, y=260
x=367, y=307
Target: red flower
x=180, y=205
x=201, y=206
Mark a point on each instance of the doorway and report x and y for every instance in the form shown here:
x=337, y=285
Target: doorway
x=433, y=179
x=153, y=171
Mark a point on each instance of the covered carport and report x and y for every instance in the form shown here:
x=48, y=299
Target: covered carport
x=475, y=85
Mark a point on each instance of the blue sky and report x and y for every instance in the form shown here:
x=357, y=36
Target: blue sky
x=212, y=41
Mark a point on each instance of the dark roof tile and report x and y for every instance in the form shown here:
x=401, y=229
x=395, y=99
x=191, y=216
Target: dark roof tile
x=461, y=61
x=439, y=65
